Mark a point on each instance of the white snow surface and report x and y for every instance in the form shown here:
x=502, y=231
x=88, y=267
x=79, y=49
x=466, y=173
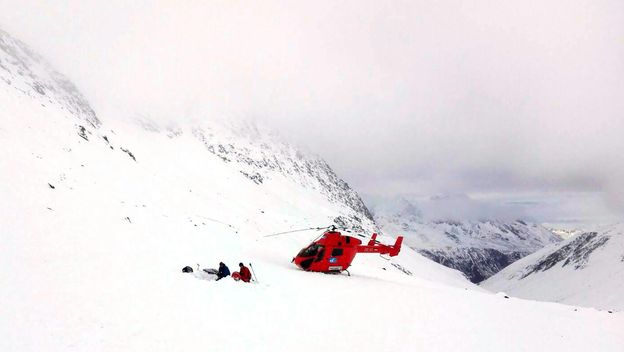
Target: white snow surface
x=580, y=277
x=94, y=264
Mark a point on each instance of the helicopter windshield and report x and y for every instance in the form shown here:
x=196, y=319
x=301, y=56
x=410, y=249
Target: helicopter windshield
x=309, y=251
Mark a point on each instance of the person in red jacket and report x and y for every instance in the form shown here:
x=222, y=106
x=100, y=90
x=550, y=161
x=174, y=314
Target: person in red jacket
x=245, y=274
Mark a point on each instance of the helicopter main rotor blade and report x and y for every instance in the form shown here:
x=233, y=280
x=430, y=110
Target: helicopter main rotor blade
x=300, y=230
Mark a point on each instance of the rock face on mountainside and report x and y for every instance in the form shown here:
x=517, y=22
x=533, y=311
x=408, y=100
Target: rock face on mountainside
x=586, y=269
x=257, y=154
x=575, y=253
x=479, y=249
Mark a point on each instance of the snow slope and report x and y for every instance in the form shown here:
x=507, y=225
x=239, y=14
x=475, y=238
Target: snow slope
x=95, y=232
x=586, y=269
x=478, y=248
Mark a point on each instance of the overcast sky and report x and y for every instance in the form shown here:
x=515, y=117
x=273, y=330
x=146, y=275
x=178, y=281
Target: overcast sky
x=495, y=99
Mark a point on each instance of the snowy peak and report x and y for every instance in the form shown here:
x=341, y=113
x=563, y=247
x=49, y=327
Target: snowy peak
x=565, y=233
x=399, y=209
x=30, y=74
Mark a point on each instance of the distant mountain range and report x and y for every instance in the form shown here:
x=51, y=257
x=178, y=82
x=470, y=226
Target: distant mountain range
x=477, y=248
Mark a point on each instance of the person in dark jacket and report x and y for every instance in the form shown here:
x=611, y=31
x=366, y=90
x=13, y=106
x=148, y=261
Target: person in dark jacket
x=245, y=274
x=223, y=271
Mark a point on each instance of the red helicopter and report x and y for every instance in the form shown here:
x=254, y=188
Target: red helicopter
x=334, y=252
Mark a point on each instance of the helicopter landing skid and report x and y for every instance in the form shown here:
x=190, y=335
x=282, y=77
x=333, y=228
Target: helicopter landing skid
x=337, y=272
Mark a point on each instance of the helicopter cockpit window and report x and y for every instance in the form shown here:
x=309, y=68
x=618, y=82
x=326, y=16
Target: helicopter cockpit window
x=320, y=255
x=336, y=252
x=309, y=251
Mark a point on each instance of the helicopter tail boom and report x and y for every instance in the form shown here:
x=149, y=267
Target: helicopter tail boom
x=374, y=246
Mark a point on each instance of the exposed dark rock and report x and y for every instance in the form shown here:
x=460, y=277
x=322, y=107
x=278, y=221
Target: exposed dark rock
x=82, y=132
x=351, y=223
x=477, y=264
x=129, y=153
x=401, y=268
x=255, y=177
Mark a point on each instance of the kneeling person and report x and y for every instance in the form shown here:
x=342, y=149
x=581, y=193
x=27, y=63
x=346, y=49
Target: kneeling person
x=223, y=271
x=245, y=274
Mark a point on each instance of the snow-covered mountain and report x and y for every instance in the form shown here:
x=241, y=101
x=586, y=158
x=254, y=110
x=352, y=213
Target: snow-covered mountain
x=477, y=248
x=586, y=269
x=256, y=154
x=98, y=216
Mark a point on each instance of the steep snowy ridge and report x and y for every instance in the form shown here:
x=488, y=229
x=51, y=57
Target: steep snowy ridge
x=586, y=269
x=479, y=249
x=259, y=155
x=263, y=159
x=29, y=73
x=95, y=231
